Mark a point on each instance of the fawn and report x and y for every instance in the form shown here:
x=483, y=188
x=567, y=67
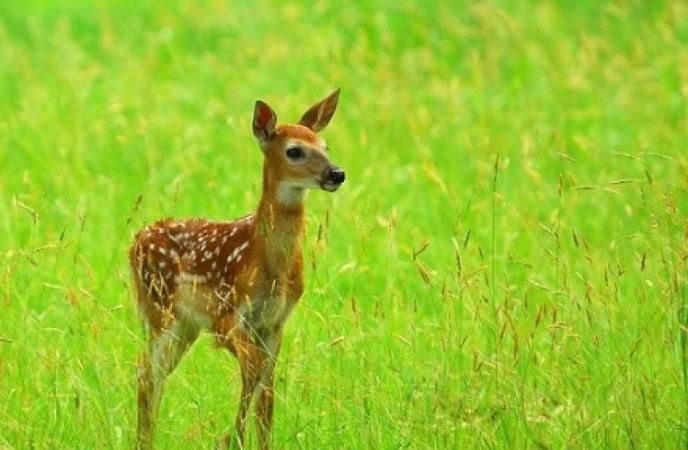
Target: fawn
x=239, y=279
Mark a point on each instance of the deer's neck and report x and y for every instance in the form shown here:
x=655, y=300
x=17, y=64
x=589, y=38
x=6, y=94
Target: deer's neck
x=279, y=224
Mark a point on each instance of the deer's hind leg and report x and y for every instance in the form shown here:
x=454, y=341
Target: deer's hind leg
x=164, y=351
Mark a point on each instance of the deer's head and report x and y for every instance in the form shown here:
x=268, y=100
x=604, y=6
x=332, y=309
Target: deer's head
x=296, y=157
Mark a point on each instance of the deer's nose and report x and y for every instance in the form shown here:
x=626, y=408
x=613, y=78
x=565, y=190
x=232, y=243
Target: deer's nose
x=336, y=175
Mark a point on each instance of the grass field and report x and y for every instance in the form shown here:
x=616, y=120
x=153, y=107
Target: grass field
x=504, y=268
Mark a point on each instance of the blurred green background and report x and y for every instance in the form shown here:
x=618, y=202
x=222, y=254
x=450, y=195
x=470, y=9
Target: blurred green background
x=505, y=266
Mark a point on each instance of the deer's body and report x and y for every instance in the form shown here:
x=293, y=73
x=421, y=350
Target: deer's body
x=239, y=279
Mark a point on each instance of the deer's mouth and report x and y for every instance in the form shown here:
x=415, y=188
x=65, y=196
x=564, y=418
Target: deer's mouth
x=332, y=179
x=329, y=186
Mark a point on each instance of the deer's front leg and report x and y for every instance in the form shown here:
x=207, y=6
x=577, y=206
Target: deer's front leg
x=253, y=361
x=265, y=403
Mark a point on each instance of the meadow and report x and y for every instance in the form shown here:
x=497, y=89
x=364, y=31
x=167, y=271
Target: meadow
x=505, y=266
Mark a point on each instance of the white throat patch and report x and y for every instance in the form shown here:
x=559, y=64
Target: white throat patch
x=290, y=194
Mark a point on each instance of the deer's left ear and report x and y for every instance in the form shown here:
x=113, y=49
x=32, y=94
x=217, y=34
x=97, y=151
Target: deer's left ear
x=319, y=115
x=264, y=121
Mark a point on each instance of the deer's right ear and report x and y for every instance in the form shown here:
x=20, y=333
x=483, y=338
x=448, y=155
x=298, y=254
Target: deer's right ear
x=264, y=121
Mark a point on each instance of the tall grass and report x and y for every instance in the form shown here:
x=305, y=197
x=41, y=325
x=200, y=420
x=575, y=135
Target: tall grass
x=504, y=268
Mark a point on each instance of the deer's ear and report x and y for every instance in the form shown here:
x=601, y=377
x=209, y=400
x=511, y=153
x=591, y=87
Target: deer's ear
x=319, y=115
x=264, y=121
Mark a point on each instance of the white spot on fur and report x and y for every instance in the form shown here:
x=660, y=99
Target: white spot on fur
x=190, y=256
x=186, y=277
x=237, y=252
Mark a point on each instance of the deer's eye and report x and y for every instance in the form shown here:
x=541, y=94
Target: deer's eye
x=295, y=153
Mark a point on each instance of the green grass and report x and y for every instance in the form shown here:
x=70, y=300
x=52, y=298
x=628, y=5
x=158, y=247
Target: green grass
x=504, y=268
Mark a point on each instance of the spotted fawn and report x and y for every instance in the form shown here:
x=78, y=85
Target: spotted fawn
x=237, y=279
